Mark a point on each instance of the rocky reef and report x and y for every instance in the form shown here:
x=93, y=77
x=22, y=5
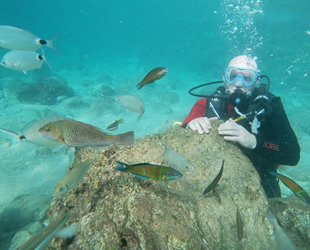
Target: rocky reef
x=45, y=91
x=117, y=210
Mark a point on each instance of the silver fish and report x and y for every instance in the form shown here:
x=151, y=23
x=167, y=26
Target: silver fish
x=41, y=239
x=132, y=103
x=73, y=178
x=23, y=60
x=177, y=161
x=280, y=237
x=18, y=39
x=30, y=133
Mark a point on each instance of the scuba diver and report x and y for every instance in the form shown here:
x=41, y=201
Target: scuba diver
x=255, y=119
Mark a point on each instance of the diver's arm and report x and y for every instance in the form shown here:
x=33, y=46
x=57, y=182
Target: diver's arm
x=198, y=110
x=279, y=143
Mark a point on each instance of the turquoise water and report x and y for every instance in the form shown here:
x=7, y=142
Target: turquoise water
x=116, y=43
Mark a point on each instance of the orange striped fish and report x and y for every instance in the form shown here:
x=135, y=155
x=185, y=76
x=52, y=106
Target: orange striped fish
x=292, y=185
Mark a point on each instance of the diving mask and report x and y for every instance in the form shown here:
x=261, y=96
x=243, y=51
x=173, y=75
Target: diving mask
x=234, y=75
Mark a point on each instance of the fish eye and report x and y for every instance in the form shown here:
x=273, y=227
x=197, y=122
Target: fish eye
x=48, y=129
x=3, y=63
x=42, y=42
x=40, y=57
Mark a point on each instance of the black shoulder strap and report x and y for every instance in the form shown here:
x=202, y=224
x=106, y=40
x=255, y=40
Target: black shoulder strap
x=217, y=107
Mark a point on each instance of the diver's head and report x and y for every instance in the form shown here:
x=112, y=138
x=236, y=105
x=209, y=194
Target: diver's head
x=241, y=74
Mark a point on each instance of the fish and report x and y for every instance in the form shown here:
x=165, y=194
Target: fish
x=23, y=60
x=42, y=238
x=31, y=134
x=280, y=237
x=113, y=126
x=292, y=185
x=14, y=38
x=152, y=76
x=78, y=134
x=73, y=178
x=132, y=103
x=149, y=171
x=215, y=181
x=239, y=224
x=177, y=161
x=217, y=196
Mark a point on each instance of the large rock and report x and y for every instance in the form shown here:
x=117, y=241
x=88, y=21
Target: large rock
x=45, y=91
x=115, y=209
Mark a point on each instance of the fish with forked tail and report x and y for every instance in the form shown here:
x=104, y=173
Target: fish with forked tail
x=152, y=76
x=78, y=134
x=18, y=39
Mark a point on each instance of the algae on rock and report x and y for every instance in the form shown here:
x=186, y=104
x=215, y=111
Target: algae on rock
x=114, y=209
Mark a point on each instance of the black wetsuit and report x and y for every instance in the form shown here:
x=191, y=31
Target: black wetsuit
x=276, y=141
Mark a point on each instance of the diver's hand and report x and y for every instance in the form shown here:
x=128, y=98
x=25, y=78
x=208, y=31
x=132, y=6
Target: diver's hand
x=236, y=133
x=201, y=124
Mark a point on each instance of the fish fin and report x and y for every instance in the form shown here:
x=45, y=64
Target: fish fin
x=51, y=43
x=139, y=85
x=10, y=132
x=25, y=72
x=45, y=60
x=127, y=138
x=121, y=166
x=68, y=232
x=141, y=176
x=273, y=173
x=62, y=190
x=139, y=117
x=121, y=120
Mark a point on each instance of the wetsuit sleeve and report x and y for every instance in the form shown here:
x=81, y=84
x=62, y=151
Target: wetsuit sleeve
x=198, y=110
x=278, y=143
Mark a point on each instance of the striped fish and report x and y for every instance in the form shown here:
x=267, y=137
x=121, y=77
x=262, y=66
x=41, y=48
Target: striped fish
x=215, y=181
x=148, y=171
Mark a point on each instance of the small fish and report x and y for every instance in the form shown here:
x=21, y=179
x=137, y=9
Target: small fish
x=78, y=134
x=18, y=39
x=31, y=134
x=23, y=60
x=217, y=196
x=73, y=178
x=239, y=223
x=132, y=103
x=152, y=76
x=215, y=181
x=113, y=126
x=292, y=185
x=177, y=161
x=148, y=171
x=281, y=238
x=41, y=239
